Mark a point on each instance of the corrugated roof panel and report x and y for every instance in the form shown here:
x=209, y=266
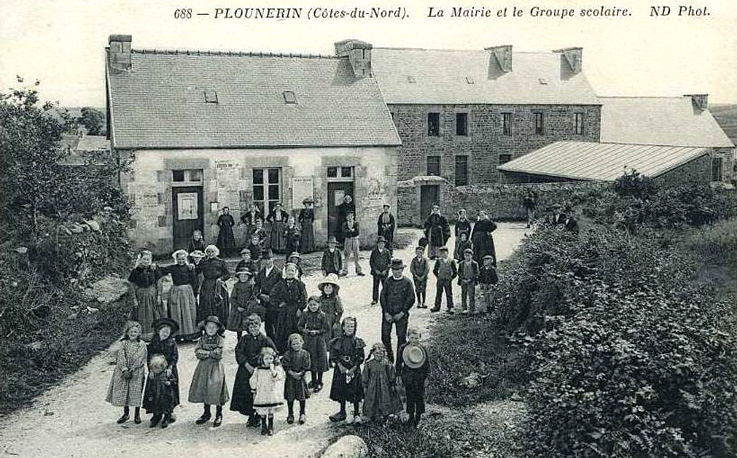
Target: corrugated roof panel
x=601, y=161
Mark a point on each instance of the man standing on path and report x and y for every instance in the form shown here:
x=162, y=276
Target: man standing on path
x=386, y=226
x=343, y=209
x=351, y=245
x=397, y=297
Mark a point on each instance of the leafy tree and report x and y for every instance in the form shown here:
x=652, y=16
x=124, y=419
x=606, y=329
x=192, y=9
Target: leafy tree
x=93, y=120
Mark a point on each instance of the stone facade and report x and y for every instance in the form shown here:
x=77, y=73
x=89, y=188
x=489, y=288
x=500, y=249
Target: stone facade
x=485, y=142
x=696, y=171
x=228, y=181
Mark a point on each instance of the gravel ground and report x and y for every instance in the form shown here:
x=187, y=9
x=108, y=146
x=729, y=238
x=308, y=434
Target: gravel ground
x=73, y=420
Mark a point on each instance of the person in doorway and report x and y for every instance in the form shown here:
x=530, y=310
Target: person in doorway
x=226, y=239
x=386, y=226
x=437, y=231
x=351, y=244
x=196, y=243
x=379, y=262
x=397, y=298
x=347, y=206
x=307, y=226
x=266, y=279
x=278, y=219
x=482, y=239
x=332, y=258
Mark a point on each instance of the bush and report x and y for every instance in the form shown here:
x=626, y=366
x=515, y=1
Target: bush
x=716, y=244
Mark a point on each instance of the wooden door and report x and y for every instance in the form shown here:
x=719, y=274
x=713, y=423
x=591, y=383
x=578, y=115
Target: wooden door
x=188, y=214
x=336, y=191
x=429, y=196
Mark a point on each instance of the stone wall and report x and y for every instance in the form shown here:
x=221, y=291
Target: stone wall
x=485, y=140
x=228, y=181
x=696, y=171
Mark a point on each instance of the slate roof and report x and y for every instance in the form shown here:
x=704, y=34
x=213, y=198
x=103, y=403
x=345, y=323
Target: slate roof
x=670, y=121
x=441, y=78
x=601, y=161
x=93, y=143
x=161, y=103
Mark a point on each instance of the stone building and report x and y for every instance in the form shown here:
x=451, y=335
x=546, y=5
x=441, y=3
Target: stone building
x=461, y=113
x=208, y=130
x=672, y=139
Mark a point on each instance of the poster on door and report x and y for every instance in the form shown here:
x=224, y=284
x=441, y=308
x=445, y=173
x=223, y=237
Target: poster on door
x=187, y=205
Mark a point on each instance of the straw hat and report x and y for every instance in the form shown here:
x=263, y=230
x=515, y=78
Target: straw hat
x=414, y=356
x=243, y=270
x=197, y=254
x=212, y=319
x=331, y=279
x=159, y=322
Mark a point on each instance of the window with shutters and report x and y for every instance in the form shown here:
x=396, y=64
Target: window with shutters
x=461, y=173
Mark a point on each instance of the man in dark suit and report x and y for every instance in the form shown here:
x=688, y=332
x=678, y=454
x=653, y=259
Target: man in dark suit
x=343, y=209
x=266, y=279
x=386, y=226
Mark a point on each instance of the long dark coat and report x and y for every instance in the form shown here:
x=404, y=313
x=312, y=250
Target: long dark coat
x=349, y=352
x=169, y=350
x=437, y=230
x=247, y=351
x=483, y=241
x=386, y=228
x=307, y=224
x=316, y=345
x=289, y=297
x=214, y=300
x=226, y=239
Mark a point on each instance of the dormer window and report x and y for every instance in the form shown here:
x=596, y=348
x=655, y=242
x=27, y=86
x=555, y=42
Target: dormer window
x=543, y=81
x=290, y=98
x=469, y=80
x=411, y=79
x=211, y=96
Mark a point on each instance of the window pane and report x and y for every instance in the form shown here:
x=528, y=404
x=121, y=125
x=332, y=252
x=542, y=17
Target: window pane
x=346, y=172
x=195, y=175
x=273, y=192
x=177, y=175
x=504, y=158
x=539, y=124
x=433, y=124
x=507, y=123
x=258, y=193
x=433, y=165
x=273, y=175
x=258, y=176
x=461, y=177
x=332, y=172
x=462, y=124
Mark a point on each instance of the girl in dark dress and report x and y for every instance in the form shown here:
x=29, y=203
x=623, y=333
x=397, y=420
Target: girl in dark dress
x=291, y=237
x=146, y=292
x=314, y=326
x=346, y=356
x=289, y=296
x=481, y=238
x=182, y=302
x=296, y=363
x=247, y=353
x=158, y=399
x=278, y=219
x=462, y=225
x=164, y=345
x=214, y=299
x=307, y=225
x=226, y=239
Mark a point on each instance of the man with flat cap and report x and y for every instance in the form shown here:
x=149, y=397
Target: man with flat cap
x=397, y=297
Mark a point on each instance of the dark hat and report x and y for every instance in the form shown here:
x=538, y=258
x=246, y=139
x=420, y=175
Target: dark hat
x=397, y=264
x=212, y=319
x=419, y=247
x=332, y=239
x=443, y=248
x=243, y=270
x=159, y=322
x=387, y=206
x=267, y=254
x=381, y=239
x=468, y=250
x=488, y=256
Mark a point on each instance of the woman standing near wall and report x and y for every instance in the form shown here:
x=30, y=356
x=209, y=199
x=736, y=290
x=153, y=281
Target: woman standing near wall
x=182, y=302
x=226, y=239
x=249, y=220
x=278, y=219
x=481, y=238
x=307, y=223
x=145, y=291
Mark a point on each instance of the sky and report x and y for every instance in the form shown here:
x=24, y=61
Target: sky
x=61, y=42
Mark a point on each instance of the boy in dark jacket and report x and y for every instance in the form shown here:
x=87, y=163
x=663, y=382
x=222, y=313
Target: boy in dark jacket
x=468, y=274
x=420, y=268
x=379, y=262
x=445, y=270
x=487, y=279
x=332, y=258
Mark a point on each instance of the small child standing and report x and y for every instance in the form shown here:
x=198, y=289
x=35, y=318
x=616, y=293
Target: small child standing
x=314, y=326
x=246, y=261
x=379, y=263
x=331, y=305
x=413, y=366
x=463, y=245
x=241, y=299
x=126, y=386
x=487, y=279
x=468, y=274
x=159, y=396
x=267, y=386
x=332, y=258
x=292, y=236
x=296, y=363
x=420, y=269
x=346, y=356
x=445, y=270
x=164, y=344
x=379, y=386
x=208, y=382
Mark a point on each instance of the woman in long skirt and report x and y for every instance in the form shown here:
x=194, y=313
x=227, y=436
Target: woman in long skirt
x=146, y=293
x=437, y=231
x=481, y=238
x=214, y=299
x=307, y=223
x=182, y=302
x=226, y=239
x=278, y=219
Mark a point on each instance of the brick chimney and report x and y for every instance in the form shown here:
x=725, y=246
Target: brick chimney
x=119, y=53
x=573, y=57
x=700, y=101
x=503, y=55
x=358, y=53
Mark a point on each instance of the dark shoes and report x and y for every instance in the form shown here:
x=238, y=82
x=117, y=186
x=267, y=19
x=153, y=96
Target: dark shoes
x=137, y=418
x=271, y=426
x=360, y=274
x=264, y=426
x=165, y=422
x=218, y=420
x=336, y=417
x=290, y=419
x=154, y=421
x=302, y=419
x=203, y=419
x=123, y=419
x=374, y=302
x=435, y=309
x=253, y=421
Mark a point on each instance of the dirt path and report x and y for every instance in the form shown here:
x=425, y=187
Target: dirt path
x=72, y=419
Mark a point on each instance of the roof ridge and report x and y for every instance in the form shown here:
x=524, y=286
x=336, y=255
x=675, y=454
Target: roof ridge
x=642, y=96
x=459, y=50
x=185, y=52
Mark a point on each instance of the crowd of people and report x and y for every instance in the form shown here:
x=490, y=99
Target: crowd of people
x=286, y=338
